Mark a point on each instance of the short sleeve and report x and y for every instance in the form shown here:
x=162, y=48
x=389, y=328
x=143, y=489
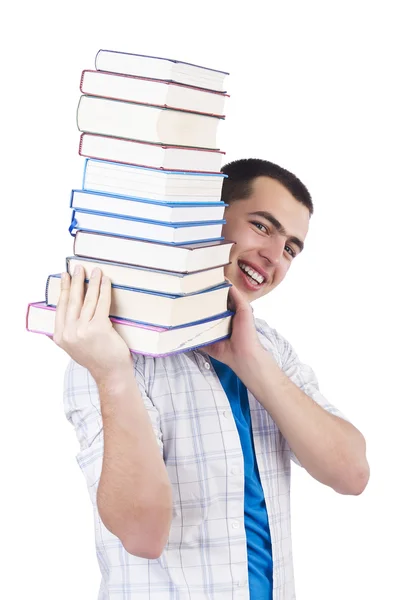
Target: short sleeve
x=304, y=377
x=83, y=411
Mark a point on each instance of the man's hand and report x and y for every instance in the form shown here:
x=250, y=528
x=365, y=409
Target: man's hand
x=83, y=328
x=244, y=341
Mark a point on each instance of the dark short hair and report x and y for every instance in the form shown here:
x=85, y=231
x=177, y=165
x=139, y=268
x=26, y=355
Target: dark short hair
x=241, y=174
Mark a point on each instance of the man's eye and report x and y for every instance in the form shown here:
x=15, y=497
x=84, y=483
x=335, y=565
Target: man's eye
x=290, y=251
x=260, y=226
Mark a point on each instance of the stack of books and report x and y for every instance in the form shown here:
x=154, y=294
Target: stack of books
x=149, y=213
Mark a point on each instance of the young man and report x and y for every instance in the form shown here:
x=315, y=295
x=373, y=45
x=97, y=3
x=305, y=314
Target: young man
x=187, y=458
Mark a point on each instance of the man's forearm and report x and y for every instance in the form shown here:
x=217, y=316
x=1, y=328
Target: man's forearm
x=329, y=448
x=134, y=494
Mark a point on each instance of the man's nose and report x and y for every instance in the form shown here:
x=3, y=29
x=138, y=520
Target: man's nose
x=273, y=249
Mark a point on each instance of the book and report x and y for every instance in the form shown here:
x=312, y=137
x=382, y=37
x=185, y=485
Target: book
x=146, y=123
x=180, y=259
x=152, y=341
x=151, y=184
x=154, y=308
x=160, y=68
x=152, y=91
x=166, y=282
x=153, y=231
x=126, y=206
x=144, y=154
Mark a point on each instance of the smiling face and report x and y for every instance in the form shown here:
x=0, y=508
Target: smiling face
x=268, y=228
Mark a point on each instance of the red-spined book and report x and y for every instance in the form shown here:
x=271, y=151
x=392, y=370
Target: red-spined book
x=147, y=123
x=165, y=94
x=143, y=154
x=144, y=339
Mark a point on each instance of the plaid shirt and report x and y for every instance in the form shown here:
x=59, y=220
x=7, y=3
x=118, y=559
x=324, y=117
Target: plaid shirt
x=205, y=557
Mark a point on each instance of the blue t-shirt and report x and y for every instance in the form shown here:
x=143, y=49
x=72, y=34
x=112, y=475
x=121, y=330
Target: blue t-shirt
x=259, y=546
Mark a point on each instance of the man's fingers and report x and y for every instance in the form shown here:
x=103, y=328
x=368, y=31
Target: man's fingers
x=76, y=296
x=105, y=298
x=62, y=304
x=91, y=297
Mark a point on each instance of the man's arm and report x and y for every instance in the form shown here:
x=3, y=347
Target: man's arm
x=329, y=448
x=134, y=493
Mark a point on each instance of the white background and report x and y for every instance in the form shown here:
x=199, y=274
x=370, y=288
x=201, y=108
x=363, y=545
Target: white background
x=312, y=87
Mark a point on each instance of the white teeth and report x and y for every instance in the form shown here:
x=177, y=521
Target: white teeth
x=253, y=274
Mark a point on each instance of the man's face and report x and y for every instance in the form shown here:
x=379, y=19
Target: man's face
x=268, y=229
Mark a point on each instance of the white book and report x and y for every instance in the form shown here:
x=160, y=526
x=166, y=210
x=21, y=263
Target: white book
x=153, y=341
x=153, y=231
x=152, y=91
x=151, y=184
x=166, y=282
x=147, y=209
x=144, y=154
x=160, y=68
x=147, y=123
x=153, y=308
x=180, y=259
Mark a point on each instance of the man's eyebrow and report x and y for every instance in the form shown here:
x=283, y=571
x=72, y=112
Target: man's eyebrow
x=280, y=228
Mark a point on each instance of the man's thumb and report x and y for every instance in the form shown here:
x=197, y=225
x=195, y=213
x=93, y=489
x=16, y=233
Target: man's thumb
x=236, y=301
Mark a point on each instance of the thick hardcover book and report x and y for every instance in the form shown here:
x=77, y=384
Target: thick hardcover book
x=152, y=91
x=160, y=68
x=151, y=184
x=180, y=259
x=147, y=123
x=153, y=341
x=154, y=308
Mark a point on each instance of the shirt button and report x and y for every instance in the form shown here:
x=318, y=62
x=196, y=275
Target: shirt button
x=236, y=471
x=235, y=524
x=207, y=366
x=242, y=583
x=227, y=414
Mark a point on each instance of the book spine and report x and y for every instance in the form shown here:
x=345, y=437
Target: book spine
x=73, y=223
x=46, y=289
x=81, y=144
x=85, y=172
x=82, y=81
